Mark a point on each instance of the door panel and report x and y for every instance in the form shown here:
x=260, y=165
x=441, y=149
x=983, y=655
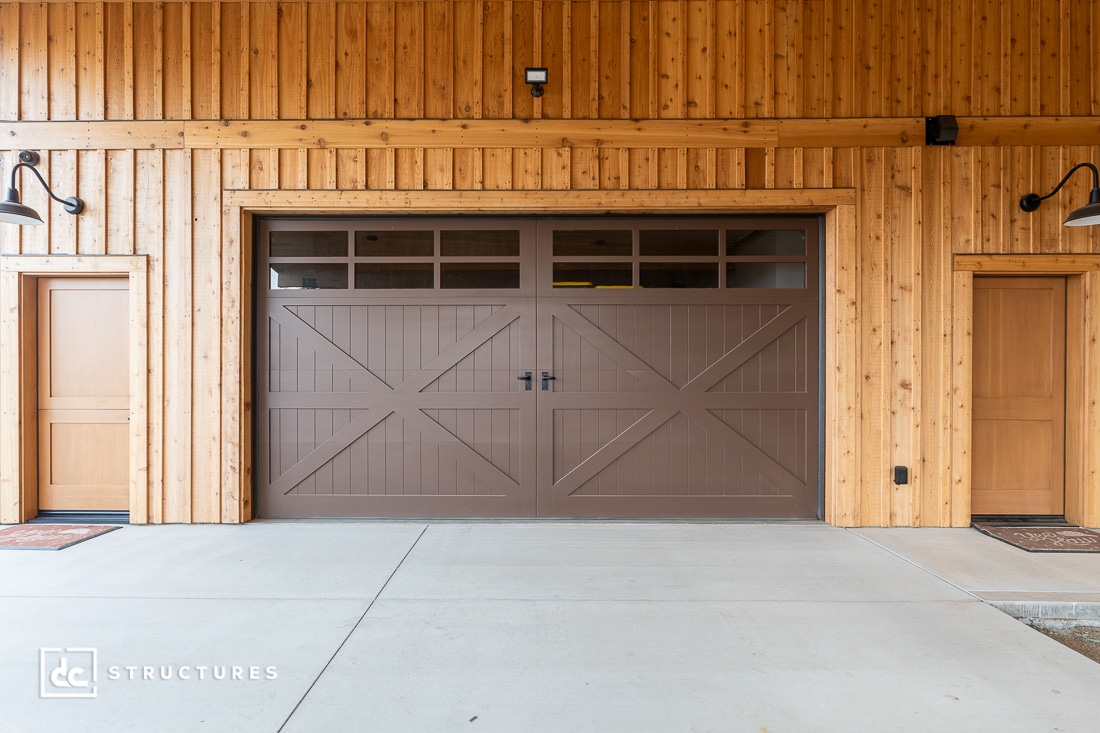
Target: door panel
x=83, y=394
x=388, y=353
x=403, y=409
x=1019, y=396
x=681, y=410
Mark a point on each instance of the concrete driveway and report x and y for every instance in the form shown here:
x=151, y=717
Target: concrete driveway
x=540, y=626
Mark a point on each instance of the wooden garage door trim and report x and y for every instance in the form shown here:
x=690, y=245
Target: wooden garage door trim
x=382, y=407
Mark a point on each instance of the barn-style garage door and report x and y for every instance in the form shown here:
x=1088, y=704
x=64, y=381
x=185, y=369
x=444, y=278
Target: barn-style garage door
x=554, y=368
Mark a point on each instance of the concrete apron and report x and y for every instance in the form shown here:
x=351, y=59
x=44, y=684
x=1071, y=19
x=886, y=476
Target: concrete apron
x=407, y=626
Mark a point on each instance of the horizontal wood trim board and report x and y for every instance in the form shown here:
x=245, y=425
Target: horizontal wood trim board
x=73, y=264
x=590, y=201
x=485, y=133
x=1053, y=264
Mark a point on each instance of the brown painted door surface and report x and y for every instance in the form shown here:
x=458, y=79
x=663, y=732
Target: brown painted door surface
x=485, y=368
x=1019, y=396
x=673, y=409
x=388, y=377
x=684, y=357
x=83, y=394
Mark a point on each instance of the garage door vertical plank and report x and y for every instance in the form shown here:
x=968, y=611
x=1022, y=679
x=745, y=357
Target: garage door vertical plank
x=179, y=335
x=962, y=377
x=935, y=434
x=233, y=45
x=61, y=73
x=843, y=368
x=904, y=241
x=525, y=34
x=875, y=268
x=643, y=66
x=263, y=86
x=149, y=241
x=320, y=96
x=409, y=87
x=351, y=88
x=497, y=78
x=206, y=346
x=236, y=368
x=34, y=85
x=293, y=89
x=468, y=27
x=34, y=91
x=1089, y=513
x=12, y=509
x=439, y=72
x=205, y=62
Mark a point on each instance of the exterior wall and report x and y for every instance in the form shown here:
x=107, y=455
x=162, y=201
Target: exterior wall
x=175, y=121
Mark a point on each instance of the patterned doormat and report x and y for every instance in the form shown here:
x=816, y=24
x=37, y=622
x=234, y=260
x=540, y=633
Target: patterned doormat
x=49, y=536
x=1045, y=539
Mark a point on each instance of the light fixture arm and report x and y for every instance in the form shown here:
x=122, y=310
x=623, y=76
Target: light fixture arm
x=1031, y=201
x=29, y=159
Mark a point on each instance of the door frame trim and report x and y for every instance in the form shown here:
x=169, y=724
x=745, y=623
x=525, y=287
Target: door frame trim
x=841, y=473
x=18, y=440
x=1082, y=461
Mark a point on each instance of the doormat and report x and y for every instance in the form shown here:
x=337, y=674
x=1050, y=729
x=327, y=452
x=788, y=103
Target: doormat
x=1045, y=539
x=49, y=536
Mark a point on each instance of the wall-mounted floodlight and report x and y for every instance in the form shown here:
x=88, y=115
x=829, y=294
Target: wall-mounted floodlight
x=14, y=212
x=536, y=77
x=1087, y=215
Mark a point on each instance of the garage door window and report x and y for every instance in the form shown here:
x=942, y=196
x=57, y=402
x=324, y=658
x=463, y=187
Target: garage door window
x=681, y=258
x=766, y=258
x=395, y=259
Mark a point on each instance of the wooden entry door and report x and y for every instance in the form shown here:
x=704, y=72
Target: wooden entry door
x=83, y=394
x=1019, y=396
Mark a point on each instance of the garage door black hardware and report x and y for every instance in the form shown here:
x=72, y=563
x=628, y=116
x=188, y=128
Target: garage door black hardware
x=527, y=379
x=546, y=381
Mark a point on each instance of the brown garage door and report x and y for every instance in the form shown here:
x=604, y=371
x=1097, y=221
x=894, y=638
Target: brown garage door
x=555, y=368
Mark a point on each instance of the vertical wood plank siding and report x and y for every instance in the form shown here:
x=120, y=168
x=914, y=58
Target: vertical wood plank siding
x=903, y=398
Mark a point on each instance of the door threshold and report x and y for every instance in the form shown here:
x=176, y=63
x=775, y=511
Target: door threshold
x=57, y=516
x=1020, y=520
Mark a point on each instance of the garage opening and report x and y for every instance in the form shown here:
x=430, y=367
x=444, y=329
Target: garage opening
x=497, y=367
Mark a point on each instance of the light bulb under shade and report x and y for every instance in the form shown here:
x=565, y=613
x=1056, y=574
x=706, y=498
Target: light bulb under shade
x=1087, y=215
x=13, y=212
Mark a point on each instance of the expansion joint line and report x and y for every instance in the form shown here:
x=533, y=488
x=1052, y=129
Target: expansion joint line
x=353, y=629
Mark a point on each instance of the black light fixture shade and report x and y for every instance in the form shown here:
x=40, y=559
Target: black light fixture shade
x=941, y=130
x=13, y=211
x=1087, y=215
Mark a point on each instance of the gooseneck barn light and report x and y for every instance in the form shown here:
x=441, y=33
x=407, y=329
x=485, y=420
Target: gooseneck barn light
x=14, y=212
x=1087, y=215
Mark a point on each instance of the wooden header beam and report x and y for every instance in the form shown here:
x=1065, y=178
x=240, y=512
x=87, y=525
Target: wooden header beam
x=486, y=133
x=558, y=201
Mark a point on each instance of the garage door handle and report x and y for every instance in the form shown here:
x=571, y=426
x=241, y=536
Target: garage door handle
x=526, y=378
x=546, y=381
